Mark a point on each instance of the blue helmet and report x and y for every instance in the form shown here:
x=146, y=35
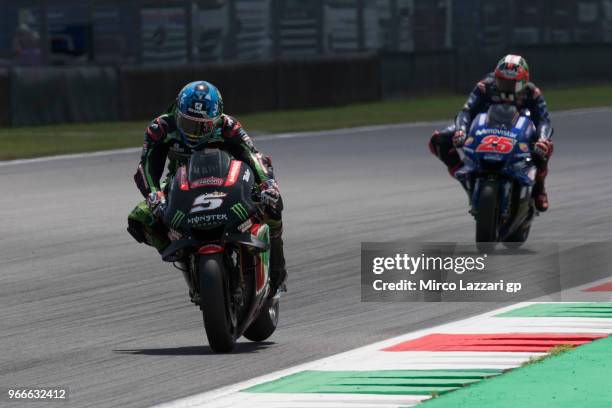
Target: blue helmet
x=198, y=110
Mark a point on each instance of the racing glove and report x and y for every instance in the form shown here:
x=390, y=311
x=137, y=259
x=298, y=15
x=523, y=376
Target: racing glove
x=156, y=202
x=459, y=138
x=270, y=194
x=543, y=150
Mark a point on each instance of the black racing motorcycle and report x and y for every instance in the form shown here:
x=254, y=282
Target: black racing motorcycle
x=221, y=244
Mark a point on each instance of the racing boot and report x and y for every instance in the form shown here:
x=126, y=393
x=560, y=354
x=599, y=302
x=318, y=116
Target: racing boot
x=144, y=228
x=183, y=266
x=441, y=145
x=466, y=187
x=278, y=271
x=539, y=191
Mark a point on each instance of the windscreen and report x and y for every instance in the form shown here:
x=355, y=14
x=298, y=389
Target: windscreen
x=208, y=163
x=502, y=116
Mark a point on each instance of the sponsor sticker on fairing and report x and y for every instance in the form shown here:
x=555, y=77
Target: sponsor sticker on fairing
x=174, y=235
x=233, y=173
x=495, y=131
x=240, y=211
x=245, y=226
x=207, y=181
x=206, y=219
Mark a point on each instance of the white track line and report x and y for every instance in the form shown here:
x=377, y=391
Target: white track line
x=430, y=360
x=298, y=400
x=279, y=136
x=103, y=153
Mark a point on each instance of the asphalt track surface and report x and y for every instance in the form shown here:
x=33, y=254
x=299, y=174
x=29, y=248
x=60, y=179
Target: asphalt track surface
x=82, y=305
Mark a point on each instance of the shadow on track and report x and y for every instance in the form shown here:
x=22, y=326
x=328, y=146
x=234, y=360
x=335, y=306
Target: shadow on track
x=240, y=348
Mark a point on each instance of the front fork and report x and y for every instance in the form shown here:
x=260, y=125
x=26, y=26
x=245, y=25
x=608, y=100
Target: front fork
x=474, y=185
x=189, y=270
x=505, y=199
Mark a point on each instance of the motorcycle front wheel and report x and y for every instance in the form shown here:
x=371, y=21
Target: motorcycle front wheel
x=214, y=303
x=487, y=216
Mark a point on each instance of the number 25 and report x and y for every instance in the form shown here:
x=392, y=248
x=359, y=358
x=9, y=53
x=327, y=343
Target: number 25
x=495, y=144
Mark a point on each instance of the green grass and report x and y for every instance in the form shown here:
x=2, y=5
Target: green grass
x=75, y=138
x=555, y=351
x=569, y=378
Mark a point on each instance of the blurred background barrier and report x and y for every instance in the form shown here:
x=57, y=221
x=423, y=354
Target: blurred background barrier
x=46, y=95
x=257, y=86
x=58, y=95
x=550, y=64
x=148, y=91
x=564, y=63
x=91, y=60
x=417, y=73
x=406, y=74
x=5, y=98
x=325, y=82
x=143, y=32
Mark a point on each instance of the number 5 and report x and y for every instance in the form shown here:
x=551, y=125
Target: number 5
x=205, y=203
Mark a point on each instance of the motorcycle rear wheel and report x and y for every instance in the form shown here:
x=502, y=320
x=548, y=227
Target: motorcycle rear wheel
x=517, y=238
x=214, y=304
x=265, y=324
x=487, y=216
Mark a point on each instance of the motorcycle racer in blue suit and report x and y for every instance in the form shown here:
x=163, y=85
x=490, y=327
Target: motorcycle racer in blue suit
x=193, y=122
x=509, y=83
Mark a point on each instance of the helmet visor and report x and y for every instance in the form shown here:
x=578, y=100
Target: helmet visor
x=194, y=128
x=510, y=86
x=506, y=85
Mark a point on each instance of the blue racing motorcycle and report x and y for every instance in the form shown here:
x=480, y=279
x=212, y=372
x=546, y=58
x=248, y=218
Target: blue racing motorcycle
x=499, y=174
